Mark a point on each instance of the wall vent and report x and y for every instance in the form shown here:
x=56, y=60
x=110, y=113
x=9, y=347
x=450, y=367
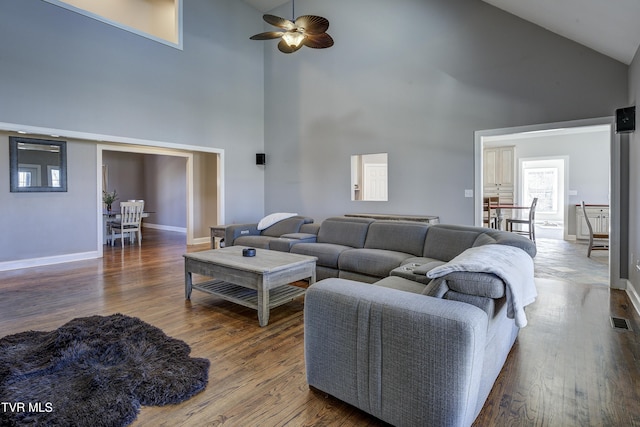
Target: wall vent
x=619, y=323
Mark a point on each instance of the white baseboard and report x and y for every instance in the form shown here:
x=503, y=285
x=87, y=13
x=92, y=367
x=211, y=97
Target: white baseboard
x=37, y=262
x=196, y=241
x=633, y=296
x=182, y=230
x=201, y=240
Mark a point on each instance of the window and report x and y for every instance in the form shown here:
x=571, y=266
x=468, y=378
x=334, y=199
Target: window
x=24, y=179
x=159, y=20
x=543, y=184
x=54, y=177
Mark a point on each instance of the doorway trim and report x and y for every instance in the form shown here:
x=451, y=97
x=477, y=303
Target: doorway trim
x=615, y=281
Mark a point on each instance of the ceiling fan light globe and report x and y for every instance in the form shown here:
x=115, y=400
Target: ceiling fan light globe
x=293, y=38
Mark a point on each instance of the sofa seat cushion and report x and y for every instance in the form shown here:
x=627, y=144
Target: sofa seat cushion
x=302, y=237
x=401, y=284
x=371, y=262
x=327, y=253
x=261, y=242
x=286, y=241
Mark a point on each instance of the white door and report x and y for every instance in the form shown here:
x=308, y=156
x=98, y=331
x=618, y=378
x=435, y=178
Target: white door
x=375, y=181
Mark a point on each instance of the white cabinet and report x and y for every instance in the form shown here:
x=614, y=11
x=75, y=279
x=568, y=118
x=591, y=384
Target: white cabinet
x=498, y=171
x=598, y=216
x=499, y=166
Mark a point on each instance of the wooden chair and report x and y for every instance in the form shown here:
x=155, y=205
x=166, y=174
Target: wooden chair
x=130, y=222
x=603, y=238
x=488, y=219
x=529, y=222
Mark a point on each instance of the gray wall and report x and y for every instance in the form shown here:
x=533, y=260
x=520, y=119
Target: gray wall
x=416, y=79
x=125, y=175
x=37, y=225
x=166, y=188
x=634, y=182
x=62, y=70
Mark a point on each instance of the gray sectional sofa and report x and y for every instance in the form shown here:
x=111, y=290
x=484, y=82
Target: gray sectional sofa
x=384, y=336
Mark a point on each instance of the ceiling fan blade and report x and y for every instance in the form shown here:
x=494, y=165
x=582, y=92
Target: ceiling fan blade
x=318, y=41
x=276, y=21
x=268, y=35
x=312, y=24
x=284, y=47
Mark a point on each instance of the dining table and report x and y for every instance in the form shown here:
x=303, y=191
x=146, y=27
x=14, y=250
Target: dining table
x=499, y=211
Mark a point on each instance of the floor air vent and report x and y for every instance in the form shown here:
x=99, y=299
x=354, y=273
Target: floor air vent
x=620, y=323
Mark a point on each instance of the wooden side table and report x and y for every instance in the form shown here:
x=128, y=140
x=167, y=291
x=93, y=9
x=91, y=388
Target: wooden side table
x=217, y=236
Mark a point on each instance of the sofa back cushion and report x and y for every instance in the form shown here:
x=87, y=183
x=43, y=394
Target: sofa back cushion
x=286, y=226
x=399, y=236
x=344, y=231
x=445, y=243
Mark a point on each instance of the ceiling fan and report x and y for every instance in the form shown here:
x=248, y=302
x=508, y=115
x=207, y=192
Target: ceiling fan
x=306, y=30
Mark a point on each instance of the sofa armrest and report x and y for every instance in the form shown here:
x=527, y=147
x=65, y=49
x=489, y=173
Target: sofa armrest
x=234, y=231
x=406, y=359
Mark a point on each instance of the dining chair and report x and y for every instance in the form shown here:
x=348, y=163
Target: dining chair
x=130, y=222
x=602, y=243
x=488, y=218
x=529, y=222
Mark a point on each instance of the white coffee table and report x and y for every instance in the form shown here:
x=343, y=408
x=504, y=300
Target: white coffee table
x=261, y=282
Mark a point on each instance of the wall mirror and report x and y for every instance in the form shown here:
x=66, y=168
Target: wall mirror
x=369, y=177
x=37, y=165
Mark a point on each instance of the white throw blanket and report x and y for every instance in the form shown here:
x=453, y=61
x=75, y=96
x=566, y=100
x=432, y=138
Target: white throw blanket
x=513, y=265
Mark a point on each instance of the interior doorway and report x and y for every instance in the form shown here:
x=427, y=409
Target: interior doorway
x=201, y=188
x=599, y=173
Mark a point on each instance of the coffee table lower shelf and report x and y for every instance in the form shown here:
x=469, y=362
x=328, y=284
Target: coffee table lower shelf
x=249, y=297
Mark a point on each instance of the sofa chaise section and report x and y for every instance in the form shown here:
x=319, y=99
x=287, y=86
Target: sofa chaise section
x=407, y=360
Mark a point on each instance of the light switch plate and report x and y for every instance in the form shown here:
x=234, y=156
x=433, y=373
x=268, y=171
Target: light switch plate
x=468, y=193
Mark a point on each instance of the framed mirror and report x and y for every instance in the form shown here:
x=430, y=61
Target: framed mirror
x=37, y=165
x=369, y=175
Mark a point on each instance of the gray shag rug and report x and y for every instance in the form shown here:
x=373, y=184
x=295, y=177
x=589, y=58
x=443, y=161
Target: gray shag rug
x=94, y=371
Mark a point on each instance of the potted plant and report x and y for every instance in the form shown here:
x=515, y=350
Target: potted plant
x=108, y=198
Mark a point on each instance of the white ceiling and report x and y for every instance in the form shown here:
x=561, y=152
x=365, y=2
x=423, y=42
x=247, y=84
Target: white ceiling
x=609, y=27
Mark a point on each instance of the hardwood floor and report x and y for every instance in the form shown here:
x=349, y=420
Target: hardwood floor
x=569, y=367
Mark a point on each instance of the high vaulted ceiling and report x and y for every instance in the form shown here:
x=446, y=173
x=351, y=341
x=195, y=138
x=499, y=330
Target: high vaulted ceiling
x=609, y=27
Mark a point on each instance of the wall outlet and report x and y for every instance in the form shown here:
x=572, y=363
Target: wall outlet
x=573, y=192
x=468, y=193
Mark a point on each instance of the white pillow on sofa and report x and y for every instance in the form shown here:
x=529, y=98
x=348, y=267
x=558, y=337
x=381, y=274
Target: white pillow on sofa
x=269, y=220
